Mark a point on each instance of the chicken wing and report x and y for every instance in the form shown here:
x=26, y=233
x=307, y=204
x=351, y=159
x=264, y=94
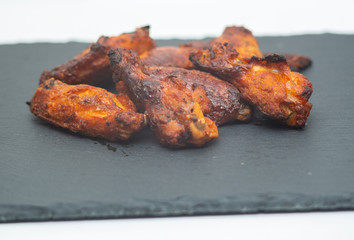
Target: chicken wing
x=92, y=65
x=246, y=45
x=89, y=110
x=219, y=100
x=266, y=82
x=174, y=117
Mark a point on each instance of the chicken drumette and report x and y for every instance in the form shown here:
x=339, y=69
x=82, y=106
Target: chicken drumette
x=175, y=118
x=266, y=82
x=92, y=65
x=89, y=110
x=220, y=101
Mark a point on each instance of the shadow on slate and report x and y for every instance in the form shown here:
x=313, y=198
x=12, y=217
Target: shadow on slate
x=48, y=173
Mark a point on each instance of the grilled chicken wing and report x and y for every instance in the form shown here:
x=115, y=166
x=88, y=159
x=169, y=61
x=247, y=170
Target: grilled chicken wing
x=246, y=45
x=219, y=100
x=89, y=110
x=174, y=117
x=92, y=65
x=266, y=82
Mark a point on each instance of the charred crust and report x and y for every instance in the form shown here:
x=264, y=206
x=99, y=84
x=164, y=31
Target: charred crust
x=46, y=86
x=96, y=47
x=114, y=56
x=274, y=58
x=147, y=27
x=307, y=92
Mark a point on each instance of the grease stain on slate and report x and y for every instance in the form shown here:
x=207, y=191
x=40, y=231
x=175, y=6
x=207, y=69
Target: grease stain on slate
x=104, y=143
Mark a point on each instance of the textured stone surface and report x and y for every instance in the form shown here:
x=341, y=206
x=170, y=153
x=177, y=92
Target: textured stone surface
x=47, y=173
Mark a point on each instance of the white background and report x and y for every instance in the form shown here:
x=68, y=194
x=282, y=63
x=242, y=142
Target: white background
x=24, y=21
x=64, y=20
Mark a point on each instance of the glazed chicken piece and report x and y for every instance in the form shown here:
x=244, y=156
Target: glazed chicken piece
x=174, y=117
x=88, y=110
x=92, y=65
x=268, y=82
x=219, y=100
x=243, y=41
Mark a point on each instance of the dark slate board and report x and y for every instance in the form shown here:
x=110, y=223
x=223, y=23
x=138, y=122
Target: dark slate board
x=47, y=173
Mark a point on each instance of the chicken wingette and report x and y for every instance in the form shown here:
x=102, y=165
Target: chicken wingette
x=92, y=65
x=267, y=83
x=88, y=110
x=175, y=118
x=220, y=101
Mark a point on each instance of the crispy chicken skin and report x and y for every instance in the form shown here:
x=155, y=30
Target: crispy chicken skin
x=268, y=82
x=220, y=101
x=174, y=117
x=92, y=65
x=89, y=110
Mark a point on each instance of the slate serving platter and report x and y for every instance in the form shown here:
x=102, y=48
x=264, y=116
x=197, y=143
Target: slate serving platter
x=47, y=173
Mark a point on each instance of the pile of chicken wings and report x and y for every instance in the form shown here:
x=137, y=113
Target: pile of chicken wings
x=183, y=93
